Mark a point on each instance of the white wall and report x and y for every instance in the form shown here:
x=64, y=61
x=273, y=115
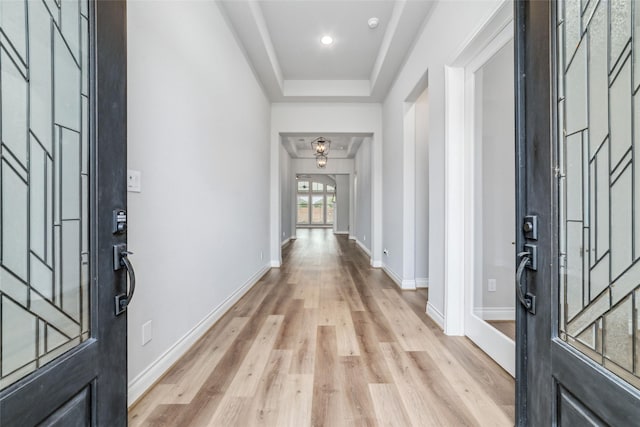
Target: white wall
x=445, y=32
x=198, y=129
x=422, y=189
x=362, y=195
x=497, y=184
x=287, y=183
x=341, y=223
x=327, y=118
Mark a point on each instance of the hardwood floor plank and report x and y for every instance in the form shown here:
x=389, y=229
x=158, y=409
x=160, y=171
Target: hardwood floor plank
x=326, y=340
x=328, y=406
x=297, y=397
x=248, y=376
x=267, y=401
x=185, y=388
x=388, y=405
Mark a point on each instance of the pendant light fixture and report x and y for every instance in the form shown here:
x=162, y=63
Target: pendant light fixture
x=320, y=147
x=321, y=161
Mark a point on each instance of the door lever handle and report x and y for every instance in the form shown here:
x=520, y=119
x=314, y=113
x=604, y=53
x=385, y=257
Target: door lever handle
x=526, y=299
x=120, y=260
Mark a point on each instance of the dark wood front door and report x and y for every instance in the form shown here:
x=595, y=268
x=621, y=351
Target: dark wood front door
x=62, y=175
x=578, y=115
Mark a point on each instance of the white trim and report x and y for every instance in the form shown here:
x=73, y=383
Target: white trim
x=496, y=313
x=376, y=264
x=285, y=241
x=405, y=285
x=364, y=248
x=393, y=276
x=435, y=315
x=352, y=237
x=422, y=282
x=408, y=285
x=340, y=232
x=147, y=378
x=275, y=263
x=454, y=201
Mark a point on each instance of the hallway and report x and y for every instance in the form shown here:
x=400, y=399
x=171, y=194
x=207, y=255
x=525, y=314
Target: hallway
x=328, y=341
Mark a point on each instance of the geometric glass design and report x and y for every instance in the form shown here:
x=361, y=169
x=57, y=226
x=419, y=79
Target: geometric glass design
x=44, y=182
x=598, y=105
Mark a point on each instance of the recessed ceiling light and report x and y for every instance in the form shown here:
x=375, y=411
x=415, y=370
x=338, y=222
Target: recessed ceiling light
x=373, y=22
x=326, y=40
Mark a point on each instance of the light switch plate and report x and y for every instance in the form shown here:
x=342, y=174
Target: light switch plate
x=147, y=332
x=134, y=179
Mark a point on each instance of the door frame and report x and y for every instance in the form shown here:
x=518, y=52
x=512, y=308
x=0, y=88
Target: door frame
x=459, y=214
x=497, y=345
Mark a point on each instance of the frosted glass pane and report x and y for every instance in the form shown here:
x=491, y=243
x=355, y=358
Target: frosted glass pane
x=12, y=19
x=71, y=268
x=37, y=196
x=621, y=225
x=618, y=338
x=599, y=279
x=637, y=331
x=574, y=268
x=598, y=79
x=41, y=278
x=636, y=166
x=40, y=73
x=620, y=24
x=67, y=86
x=14, y=222
x=602, y=201
x=572, y=27
x=576, y=92
x=18, y=336
x=621, y=114
x=574, y=177
x=588, y=337
x=45, y=181
x=70, y=153
x=14, y=108
x=70, y=25
x=592, y=214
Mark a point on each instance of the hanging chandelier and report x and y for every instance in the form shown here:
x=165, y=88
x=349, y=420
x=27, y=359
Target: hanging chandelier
x=320, y=147
x=321, y=161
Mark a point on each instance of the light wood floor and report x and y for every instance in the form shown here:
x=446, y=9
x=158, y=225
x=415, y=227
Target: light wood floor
x=328, y=341
x=507, y=327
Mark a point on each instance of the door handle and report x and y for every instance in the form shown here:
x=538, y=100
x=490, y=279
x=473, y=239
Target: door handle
x=121, y=260
x=526, y=299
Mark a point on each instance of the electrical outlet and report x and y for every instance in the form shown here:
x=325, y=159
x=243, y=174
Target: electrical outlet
x=364, y=238
x=134, y=181
x=283, y=234
x=146, y=332
x=261, y=255
x=491, y=285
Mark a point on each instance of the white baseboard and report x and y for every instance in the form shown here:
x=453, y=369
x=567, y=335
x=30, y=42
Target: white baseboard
x=147, y=378
x=285, y=241
x=408, y=285
x=352, y=237
x=422, y=282
x=435, y=315
x=376, y=264
x=404, y=284
x=275, y=263
x=340, y=232
x=364, y=248
x=496, y=313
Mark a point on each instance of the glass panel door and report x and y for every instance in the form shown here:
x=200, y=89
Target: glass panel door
x=44, y=173
x=303, y=209
x=317, y=209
